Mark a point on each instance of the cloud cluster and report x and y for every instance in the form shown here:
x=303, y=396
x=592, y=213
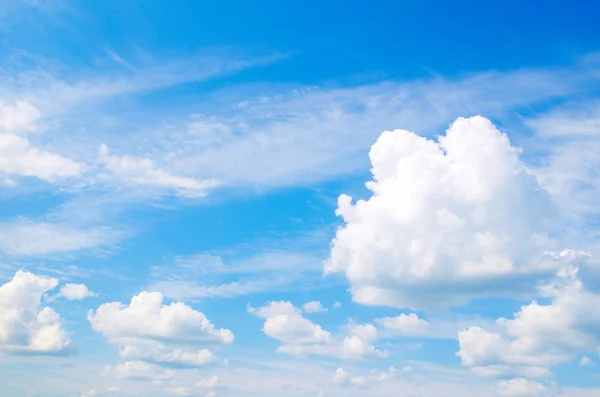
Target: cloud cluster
x=447, y=221
x=520, y=387
x=539, y=336
x=26, y=327
x=149, y=331
x=300, y=336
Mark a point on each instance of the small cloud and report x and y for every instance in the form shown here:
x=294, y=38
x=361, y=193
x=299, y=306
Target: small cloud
x=180, y=391
x=75, y=292
x=585, y=361
x=314, y=307
x=211, y=383
x=337, y=305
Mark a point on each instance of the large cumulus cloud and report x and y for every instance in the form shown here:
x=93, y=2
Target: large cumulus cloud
x=447, y=221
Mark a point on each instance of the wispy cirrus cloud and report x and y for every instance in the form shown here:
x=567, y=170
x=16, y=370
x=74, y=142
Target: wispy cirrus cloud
x=22, y=238
x=210, y=276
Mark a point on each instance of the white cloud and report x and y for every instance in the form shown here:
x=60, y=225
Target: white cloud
x=19, y=157
x=75, y=292
x=210, y=383
x=585, y=361
x=337, y=305
x=180, y=391
x=462, y=211
x=539, y=336
x=155, y=352
x=141, y=171
x=409, y=325
x=109, y=392
x=278, y=140
x=522, y=388
x=28, y=238
x=341, y=378
x=139, y=370
x=300, y=336
x=285, y=323
x=26, y=326
x=566, y=142
x=313, y=307
x=147, y=330
x=147, y=317
x=20, y=116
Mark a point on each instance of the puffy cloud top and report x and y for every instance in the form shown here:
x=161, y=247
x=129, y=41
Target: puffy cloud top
x=539, y=336
x=147, y=317
x=26, y=326
x=75, y=292
x=446, y=221
x=314, y=307
x=523, y=388
x=152, y=333
x=19, y=157
x=300, y=336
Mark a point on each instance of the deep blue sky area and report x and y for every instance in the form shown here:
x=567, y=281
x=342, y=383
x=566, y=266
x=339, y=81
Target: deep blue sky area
x=333, y=39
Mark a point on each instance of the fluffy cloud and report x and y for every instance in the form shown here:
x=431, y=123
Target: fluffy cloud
x=19, y=116
x=446, y=221
x=75, y=292
x=26, y=326
x=405, y=324
x=19, y=157
x=147, y=317
x=539, y=336
x=313, y=307
x=148, y=331
x=152, y=351
x=139, y=370
x=211, y=383
x=142, y=172
x=300, y=336
x=585, y=361
x=284, y=322
x=523, y=388
x=203, y=387
x=110, y=392
x=180, y=391
x=341, y=378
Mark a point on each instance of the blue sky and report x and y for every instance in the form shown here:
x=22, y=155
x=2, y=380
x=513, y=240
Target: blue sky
x=299, y=198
